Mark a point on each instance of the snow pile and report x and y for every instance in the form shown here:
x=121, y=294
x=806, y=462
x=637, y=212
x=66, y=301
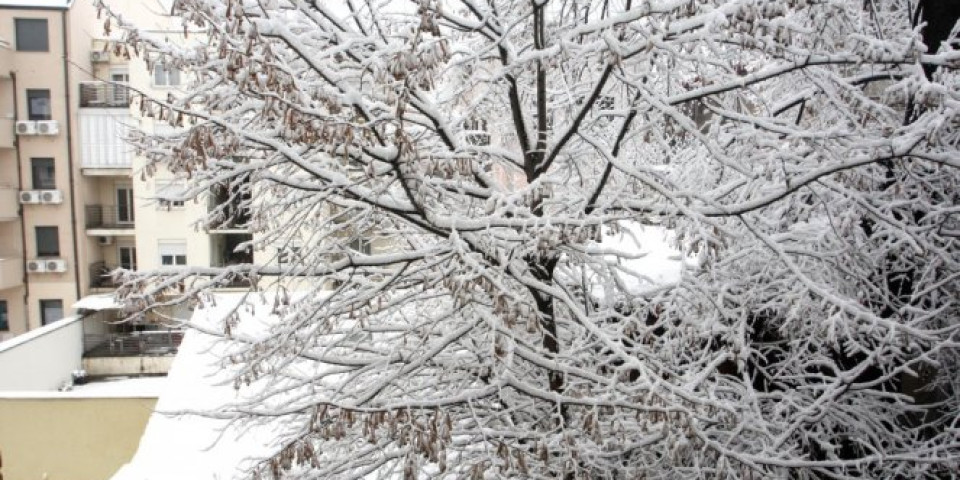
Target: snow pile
x=177, y=446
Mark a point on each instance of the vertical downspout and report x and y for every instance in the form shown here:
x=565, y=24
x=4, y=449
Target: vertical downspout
x=23, y=212
x=73, y=190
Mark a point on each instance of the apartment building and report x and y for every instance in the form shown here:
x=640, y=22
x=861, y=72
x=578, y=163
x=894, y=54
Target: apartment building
x=73, y=206
x=39, y=234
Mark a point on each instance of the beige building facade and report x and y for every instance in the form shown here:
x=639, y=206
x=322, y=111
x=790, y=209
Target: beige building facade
x=73, y=205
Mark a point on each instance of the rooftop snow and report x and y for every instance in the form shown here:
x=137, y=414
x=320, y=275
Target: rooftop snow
x=36, y=3
x=106, y=301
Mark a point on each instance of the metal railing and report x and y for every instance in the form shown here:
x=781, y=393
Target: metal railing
x=109, y=216
x=100, y=276
x=151, y=342
x=103, y=95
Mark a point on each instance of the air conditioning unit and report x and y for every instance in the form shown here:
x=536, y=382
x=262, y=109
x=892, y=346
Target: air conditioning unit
x=51, y=196
x=26, y=127
x=36, y=266
x=99, y=56
x=104, y=241
x=56, y=265
x=48, y=127
x=30, y=196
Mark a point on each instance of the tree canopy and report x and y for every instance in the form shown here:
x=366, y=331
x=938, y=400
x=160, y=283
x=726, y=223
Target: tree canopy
x=435, y=183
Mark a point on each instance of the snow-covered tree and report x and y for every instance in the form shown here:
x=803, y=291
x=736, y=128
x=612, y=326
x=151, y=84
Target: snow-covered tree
x=801, y=154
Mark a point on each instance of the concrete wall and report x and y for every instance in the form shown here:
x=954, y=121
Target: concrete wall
x=70, y=438
x=116, y=366
x=42, y=359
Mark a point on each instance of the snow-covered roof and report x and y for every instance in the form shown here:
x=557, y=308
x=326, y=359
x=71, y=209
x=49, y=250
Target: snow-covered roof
x=106, y=301
x=39, y=332
x=142, y=387
x=203, y=447
x=58, y=4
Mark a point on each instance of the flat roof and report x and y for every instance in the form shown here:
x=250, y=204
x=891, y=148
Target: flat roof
x=46, y=4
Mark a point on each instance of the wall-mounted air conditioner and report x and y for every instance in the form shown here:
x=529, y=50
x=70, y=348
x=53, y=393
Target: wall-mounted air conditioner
x=105, y=241
x=51, y=196
x=30, y=196
x=99, y=56
x=48, y=127
x=26, y=127
x=56, y=265
x=36, y=266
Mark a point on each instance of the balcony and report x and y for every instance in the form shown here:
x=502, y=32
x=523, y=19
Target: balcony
x=100, y=277
x=9, y=204
x=109, y=220
x=104, y=95
x=6, y=131
x=11, y=271
x=104, y=149
x=148, y=342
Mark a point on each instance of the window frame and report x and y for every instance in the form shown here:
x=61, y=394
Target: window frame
x=19, y=25
x=172, y=250
x=56, y=236
x=39, y=93
x=48, y=304
x=165, y=76
x=4, y=317
x=37, y=182
x=169, y=187
x=361, y=245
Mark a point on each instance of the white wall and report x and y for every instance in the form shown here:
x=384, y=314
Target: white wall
x=42, y=359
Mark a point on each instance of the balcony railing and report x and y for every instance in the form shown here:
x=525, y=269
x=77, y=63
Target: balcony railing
x=109, y=216
x=103, y=95
x=151, y=342
x=100, y=276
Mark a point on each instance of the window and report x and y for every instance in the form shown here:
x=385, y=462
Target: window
x=164, y=76
x=119, y=94
x=43, y=172
x=125, y=211
x=288, y=255
x=127, y=257
x=31, y=35
x=50, y=311
x=605, y=102
x=360, y=245
x=476, y=129
x=48, y=241
x=167, y=189
x=38, y=105
x=173, y=253
x=4, y=321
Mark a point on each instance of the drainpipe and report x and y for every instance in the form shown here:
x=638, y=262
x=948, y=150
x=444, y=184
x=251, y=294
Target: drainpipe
x=22, y=211
x=69, y=130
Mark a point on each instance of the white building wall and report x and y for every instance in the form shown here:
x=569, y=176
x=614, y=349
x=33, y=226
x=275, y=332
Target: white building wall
x=43, y=359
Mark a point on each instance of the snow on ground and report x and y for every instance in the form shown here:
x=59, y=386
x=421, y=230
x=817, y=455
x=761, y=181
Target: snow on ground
x=177, y=447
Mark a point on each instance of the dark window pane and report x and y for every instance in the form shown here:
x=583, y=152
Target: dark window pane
x=125, y=205
x=4, y=322
x=32, y=35
x=43, y=173
x=50, y=311
x=48, y=242
x=38, y=105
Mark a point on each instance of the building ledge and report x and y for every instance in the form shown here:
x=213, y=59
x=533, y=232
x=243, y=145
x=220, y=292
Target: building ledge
x=111, y=232
x=112, y=171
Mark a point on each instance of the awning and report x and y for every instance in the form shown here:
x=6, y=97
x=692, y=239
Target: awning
x=104, y=301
